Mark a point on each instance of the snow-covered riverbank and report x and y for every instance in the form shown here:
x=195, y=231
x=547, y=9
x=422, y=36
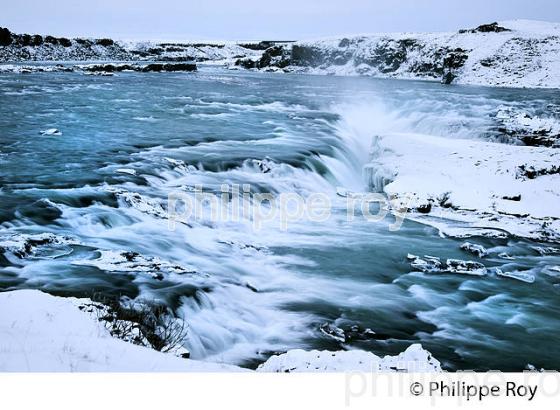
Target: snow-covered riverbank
x=41, y=332
x=469, y=187
x=518, y=53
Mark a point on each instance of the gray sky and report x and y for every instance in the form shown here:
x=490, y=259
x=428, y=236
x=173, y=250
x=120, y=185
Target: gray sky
x=253, y=19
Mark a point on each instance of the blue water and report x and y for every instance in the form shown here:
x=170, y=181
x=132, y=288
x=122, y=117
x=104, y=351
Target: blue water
x=256, y=292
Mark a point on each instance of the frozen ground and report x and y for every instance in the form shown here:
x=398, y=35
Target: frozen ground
x=40, y=332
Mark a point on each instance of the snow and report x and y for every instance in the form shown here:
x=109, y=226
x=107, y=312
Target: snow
x=40, y=332
x=532, y=26
x=413, y=359
x=470, y=182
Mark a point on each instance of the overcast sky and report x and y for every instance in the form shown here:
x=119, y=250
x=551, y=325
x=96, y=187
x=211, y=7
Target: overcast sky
x=253, y=19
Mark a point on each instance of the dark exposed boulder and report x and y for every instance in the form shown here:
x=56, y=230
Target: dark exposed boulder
x=344, y=43
x=157, y=67
x=177, y=59
x=36, y=40
x=25, y=40
x=108, y=68
x=172, y=49
x=5, y=37
x=434, y=69
x=156, y=50
x=51, y=40
x=268, y=55
x=263, y=45
x=455, y=59
x=64, y=42
x=307, y=56
x=491, y=28
x=448, y=78
x=84, y=42
x=105, y=42
x=530, y=172
x=424, y=208
x=486, y=28
x=246, y=63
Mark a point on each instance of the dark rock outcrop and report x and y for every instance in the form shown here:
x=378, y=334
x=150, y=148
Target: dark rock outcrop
x=491, y=28
x=157, y=67
x=486, y=28
x=448, y=78
x=5, y=37
x=105, y=42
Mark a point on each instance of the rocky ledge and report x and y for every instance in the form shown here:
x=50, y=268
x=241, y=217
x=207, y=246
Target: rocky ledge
x=100, y=69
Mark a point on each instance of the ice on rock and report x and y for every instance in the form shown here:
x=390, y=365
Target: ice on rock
x=466, y=267
x=475, y=249
x=51, y=131
x=127, y=261
x=140, y=202
x=128, y=171
x=428, y=264
x=552, y=270
x=24, y=245
x=547, y=250
x=517, y=275
x=349, y=334
x=413, y=359
x=432, y=264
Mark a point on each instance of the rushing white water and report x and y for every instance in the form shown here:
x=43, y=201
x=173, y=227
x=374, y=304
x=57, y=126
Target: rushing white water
x=247, y=292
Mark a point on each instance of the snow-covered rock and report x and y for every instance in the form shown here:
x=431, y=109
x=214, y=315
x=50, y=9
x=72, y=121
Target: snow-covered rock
x=24, y=245
x=472, y=187
x=133, y=262
x=475, y=249
x=40, y=332
x=128, y=171
x=520, y=126
x=432, y=264
x=51, y=131
x=413, y=359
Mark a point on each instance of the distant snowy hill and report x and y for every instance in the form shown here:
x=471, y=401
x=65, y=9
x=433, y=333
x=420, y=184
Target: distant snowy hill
x=520, y=53
x=17, y=48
